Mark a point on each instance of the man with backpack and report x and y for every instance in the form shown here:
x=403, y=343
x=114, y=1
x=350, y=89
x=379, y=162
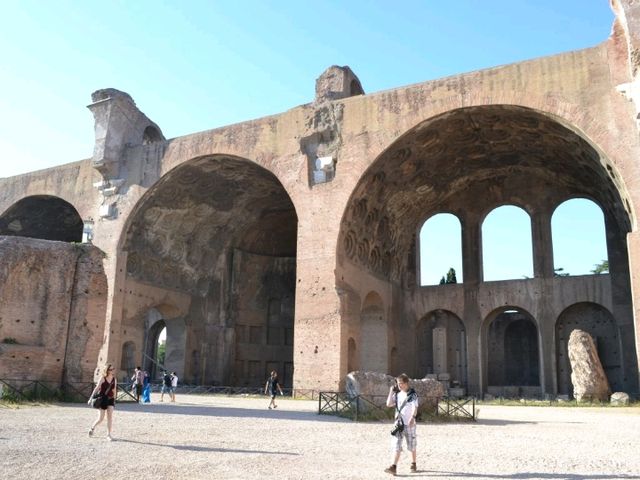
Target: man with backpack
x=166, y=386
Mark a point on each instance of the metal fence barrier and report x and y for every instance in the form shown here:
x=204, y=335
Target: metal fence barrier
x=369, y=407
x=463, y=408
x=33, y=390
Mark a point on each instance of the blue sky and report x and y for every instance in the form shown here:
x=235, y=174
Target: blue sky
x=578, y=237
x=196, y=65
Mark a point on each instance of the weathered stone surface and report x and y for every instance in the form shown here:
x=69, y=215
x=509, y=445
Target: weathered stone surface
x=337, y=82
x=171, y=213
x=52, y=309
x=619, y=398
x=375, y=386
x=587, y=375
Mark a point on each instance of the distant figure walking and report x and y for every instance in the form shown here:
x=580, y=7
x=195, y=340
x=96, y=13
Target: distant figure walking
x=166, y=386
x=272, y=386
x=107, y=387
x=146, y=390
x=174, y=386
x=138, y=382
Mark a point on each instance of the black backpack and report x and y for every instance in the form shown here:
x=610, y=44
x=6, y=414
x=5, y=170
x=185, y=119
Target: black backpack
x=167, y=380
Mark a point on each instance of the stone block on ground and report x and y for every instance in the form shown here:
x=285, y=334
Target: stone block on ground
x=619, y=399
x=375, y=386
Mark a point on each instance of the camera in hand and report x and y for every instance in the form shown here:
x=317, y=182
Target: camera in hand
x=396, y=389
x=398, y=427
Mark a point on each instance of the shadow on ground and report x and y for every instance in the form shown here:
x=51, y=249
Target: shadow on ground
x=523, y=475
x=221, y=411
x=195, y=448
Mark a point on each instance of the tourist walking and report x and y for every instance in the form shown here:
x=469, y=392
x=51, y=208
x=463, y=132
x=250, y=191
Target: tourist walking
x=138, y=382
x=174, y=386
x=146, y=390
x=106, y=387
x=405, y=401
x=166, y=386
x=272, y=386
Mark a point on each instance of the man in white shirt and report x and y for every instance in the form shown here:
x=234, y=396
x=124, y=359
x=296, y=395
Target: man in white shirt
x=174, y=385
x=405, y=401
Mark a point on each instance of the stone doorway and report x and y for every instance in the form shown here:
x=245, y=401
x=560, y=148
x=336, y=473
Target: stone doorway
x=513, y=355
x=441, y=347
x=151, y=362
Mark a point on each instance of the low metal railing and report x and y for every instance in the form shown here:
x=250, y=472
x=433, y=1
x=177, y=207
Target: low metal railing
x=29, y=390
x=354, y=407
x=370, y=407
x=464, y=408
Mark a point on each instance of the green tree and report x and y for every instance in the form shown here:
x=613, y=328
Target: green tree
x=559, y=272
x=162, y=350
x=451, y=276
x=602, y=267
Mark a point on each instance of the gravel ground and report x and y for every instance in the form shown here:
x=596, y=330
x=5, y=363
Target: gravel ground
x=211, y=437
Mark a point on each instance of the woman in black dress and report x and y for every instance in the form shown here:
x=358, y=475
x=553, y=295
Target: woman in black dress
x=106, y=386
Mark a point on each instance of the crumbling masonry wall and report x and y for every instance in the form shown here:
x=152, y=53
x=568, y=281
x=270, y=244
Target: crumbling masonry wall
x=52, y=310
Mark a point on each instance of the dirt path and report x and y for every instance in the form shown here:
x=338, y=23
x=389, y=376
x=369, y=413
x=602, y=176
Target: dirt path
x=215, y=437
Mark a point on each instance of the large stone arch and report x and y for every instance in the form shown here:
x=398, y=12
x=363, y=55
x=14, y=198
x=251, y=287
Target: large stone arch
x=598, y=322
x=218, y=232
x=42, y=216
x=468, y=161
x=485, y=156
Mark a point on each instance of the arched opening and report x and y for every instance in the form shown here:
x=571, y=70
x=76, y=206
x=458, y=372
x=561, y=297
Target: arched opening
x=441, y=250
x=42, y=216
x=155, y=356
x=151, y=134
x=506, y=244
x=218, y=236
x=579, y=238
x=373, y=336
x=441, y=347
x=598, y=322
x=468, y=162
x=513, y=354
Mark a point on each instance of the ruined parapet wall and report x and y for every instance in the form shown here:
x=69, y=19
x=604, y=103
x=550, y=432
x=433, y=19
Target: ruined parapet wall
x=52, y=309
x=71, y=182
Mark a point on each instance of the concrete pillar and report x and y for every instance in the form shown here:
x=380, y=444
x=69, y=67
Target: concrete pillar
x=472, y=271
x=622, y=300
x=471, y=249
x=440, y=350
x=542, y=245
x=472, y=323
x=546, y=323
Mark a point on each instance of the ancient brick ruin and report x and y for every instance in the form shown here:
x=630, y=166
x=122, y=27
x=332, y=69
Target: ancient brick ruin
x=289, y=242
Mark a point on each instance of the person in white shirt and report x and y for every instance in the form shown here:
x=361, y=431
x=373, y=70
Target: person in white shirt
x=405, y=401
x=174, y=385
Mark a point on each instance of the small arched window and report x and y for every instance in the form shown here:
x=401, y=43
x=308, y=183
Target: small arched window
x=441, y=250
x=507, y=251
x=579, y=238
x=151, y=135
